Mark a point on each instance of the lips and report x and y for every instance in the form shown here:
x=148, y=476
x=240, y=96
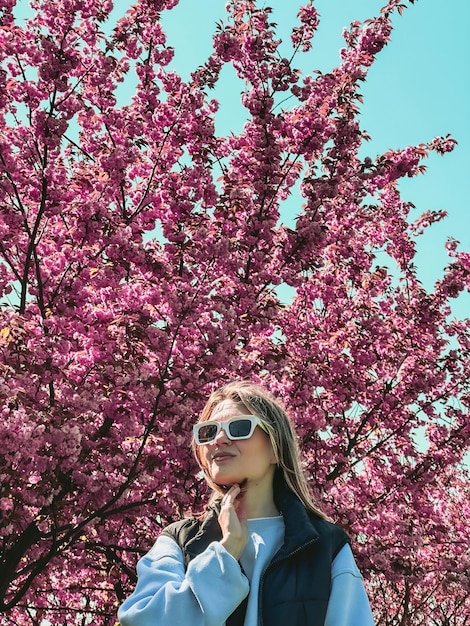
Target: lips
x=222, y=456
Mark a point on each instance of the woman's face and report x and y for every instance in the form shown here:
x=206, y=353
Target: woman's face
x=228, y=462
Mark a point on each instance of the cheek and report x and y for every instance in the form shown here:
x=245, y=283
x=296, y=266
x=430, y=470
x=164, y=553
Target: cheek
x=265, y=448
x=263, y=452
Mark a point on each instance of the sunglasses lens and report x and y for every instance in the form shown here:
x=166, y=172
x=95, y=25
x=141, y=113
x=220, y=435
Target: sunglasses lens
x=240, y=428
x=207, y=433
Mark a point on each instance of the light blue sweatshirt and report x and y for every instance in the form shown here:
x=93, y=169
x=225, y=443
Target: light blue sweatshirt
x=214, y=584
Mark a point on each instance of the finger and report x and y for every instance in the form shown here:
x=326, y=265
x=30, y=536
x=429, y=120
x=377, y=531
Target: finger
x=231, y=495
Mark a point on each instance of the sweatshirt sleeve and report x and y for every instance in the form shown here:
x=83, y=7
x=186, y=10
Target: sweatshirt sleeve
x=204, y=595
x=348, y=604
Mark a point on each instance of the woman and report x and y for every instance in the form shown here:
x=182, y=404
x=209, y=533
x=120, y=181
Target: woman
x=263, y=553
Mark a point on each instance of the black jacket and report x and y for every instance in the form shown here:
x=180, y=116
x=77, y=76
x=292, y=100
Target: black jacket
x=295, y=587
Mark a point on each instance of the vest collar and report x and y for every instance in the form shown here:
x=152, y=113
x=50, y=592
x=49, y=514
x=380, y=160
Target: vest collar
x=299, y=529
x=208, y=532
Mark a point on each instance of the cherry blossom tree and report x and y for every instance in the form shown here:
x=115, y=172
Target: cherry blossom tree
x=144, y=259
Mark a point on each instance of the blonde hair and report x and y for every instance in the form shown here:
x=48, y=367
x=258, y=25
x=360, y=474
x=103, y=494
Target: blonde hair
x=279, y=428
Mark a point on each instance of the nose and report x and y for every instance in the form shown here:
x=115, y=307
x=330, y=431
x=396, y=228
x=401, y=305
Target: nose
x=221, y=438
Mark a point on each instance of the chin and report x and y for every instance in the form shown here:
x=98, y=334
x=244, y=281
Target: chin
x=226, y=480
x=223, y=480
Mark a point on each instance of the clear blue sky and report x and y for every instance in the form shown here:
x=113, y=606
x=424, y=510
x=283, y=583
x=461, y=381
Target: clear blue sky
x=418, y=88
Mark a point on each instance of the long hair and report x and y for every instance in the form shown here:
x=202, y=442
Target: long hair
x=279, y=429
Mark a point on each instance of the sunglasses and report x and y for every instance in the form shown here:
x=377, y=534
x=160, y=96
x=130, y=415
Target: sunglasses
x=239, y=427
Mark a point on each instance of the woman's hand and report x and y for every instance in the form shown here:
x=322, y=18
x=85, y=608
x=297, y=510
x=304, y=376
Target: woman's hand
x=232, y=521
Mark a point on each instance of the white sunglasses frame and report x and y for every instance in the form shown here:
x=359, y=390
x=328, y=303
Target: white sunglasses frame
x=254, y=419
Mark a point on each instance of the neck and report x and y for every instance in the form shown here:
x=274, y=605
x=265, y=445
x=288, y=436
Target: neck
x=258, y=503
